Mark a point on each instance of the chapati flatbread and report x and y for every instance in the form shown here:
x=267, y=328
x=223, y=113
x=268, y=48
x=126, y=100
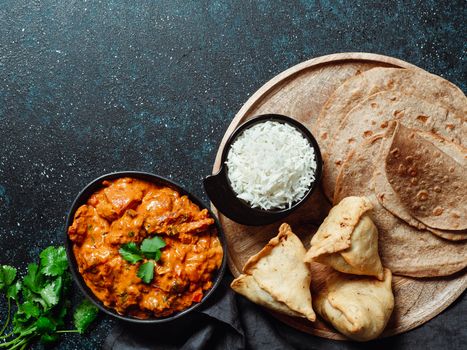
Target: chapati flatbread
x=358, y=88
x=389, y=199
x=429, y=183
x=403, y=249
x=372, y=116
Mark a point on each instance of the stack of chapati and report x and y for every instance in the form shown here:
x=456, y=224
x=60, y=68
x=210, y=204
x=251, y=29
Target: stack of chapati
x=398, y=137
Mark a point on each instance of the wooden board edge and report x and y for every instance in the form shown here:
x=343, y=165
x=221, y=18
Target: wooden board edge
x=433, y=313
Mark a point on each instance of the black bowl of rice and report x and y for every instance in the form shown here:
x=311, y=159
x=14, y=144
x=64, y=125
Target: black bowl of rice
x=271, y=164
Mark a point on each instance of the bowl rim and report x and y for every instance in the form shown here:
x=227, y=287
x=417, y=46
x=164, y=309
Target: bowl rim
x=82, y=197
x=297, y=125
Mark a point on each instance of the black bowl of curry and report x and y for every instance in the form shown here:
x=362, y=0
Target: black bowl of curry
x=142, y=248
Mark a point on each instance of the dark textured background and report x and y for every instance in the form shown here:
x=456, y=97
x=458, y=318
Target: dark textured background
x=88, y=87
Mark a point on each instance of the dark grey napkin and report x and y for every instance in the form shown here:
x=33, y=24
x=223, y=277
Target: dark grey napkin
x=229, y=321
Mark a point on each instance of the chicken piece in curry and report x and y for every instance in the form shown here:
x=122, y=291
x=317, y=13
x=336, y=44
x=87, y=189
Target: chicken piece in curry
x=128, y=211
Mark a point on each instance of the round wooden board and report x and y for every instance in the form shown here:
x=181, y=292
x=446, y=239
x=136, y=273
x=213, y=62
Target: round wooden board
x=300, y=92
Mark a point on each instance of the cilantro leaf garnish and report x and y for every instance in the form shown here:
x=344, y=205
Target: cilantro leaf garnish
x=154, y=256
x=150, y=249
x=146, y=271
x=84, y=315
x=152, y=245
x=53, y=261
x=130, y=252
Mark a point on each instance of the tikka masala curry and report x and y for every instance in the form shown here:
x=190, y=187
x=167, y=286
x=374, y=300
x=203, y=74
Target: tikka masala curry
x=130, y=210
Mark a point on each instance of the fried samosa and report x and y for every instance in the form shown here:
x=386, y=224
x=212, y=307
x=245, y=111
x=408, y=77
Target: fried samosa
x=347, y=240
x=358, y=307
x=277, y=277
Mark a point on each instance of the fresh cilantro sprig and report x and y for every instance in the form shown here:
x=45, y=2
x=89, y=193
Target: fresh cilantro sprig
x=150, y=250
x=41, y=301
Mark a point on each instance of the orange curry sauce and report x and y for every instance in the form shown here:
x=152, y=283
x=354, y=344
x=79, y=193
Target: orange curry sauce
x=130, y=210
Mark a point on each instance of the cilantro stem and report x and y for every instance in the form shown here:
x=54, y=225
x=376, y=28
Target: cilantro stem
x=6, y=335
x=8, y=317
x=19, y=339
x=68, y=331
x=24, y=342
x=11, y=342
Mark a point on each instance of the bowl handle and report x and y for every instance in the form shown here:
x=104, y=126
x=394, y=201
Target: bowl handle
x=223, y=198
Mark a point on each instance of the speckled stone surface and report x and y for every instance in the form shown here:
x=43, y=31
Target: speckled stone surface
x=89, y=87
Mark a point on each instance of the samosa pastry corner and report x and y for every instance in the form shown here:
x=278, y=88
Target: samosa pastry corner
x=246, y=285
x=278, y=278
x=347, y=240
x=358, y=307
